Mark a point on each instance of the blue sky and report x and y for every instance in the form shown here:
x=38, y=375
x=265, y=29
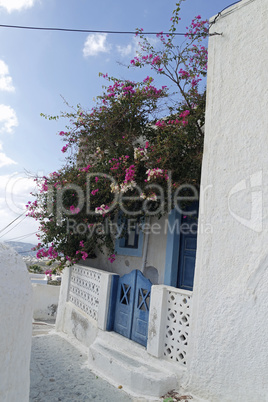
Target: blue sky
x=38, y=68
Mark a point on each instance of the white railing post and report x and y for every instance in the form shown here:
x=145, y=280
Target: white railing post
x=169, y=323
x=105, y=299
x=177, y=325
x=157, y=320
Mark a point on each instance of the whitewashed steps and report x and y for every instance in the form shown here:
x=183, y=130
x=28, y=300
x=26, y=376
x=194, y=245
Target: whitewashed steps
x=126, y=363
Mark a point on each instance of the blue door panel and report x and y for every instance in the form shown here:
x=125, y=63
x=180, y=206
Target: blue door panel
x=186, y=265
x=122, y=320
x=188, y=243
x=141, y=309
x=187, y=272
x=141, y=328
x=124, y=304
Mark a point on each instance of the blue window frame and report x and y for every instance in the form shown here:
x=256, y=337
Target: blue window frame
x=132, y=243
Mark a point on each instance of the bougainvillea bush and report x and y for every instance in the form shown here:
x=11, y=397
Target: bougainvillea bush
x=126, y=157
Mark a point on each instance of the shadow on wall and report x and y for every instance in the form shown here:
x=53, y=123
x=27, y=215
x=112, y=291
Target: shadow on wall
x=151, y=273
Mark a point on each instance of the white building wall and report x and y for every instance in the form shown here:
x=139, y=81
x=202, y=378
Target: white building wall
x=15, y=327
x=45, y=301
x=155, y=259
x=229, y=341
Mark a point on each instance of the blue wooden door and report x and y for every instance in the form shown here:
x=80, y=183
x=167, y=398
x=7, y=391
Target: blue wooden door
x=132, y=307
x=141, y=309
x=124, y=304
x=188, y=242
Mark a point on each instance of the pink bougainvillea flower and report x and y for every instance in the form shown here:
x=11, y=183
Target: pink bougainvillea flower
x=84, y=255
x=94, y=192
x=185, y=113
x=64, y=149
x=74, y=210
x=111, y=258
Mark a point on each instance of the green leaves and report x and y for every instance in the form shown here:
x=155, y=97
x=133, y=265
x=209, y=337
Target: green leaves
x=124, y=154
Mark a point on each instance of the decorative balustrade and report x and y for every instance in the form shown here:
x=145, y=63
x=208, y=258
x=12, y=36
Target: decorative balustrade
x=169, y=323
x=177, y=325
x=84, y=290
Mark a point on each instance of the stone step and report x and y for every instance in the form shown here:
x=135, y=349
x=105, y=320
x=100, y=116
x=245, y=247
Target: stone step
x=126, y=363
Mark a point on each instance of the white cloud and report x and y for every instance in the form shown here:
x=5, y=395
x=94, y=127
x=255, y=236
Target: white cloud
x=124, y=50
x=16, y=5
x=95, y=44
x=5, y=160
x=5, y=79
x=8, y=119
x=129, y=49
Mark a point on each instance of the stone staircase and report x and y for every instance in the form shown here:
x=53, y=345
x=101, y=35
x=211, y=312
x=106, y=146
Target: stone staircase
x=125, y=363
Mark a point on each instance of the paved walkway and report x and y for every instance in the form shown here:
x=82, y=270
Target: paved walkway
x=59, y=372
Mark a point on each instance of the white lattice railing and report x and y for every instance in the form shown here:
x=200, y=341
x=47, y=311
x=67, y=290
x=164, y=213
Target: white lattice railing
x=169, y=323
x=177, y=325
x=84, y=290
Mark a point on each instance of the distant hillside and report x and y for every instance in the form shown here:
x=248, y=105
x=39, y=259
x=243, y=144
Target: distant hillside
x=24, y=249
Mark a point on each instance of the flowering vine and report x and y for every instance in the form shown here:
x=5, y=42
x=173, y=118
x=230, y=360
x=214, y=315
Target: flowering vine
x=125, y=156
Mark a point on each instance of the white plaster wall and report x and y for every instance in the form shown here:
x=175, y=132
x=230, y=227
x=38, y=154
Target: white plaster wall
x=79, y=325
x=63, y=297
x=45, y=301
x=229, y=342
x=156, y=255
x=38, y=278
x=124, y=264
x=15, y=327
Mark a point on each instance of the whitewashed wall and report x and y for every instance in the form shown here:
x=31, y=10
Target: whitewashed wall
x=38, y=278
x=229, y=339
x=45, y=301
x=15, y=327
x=156, y=255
